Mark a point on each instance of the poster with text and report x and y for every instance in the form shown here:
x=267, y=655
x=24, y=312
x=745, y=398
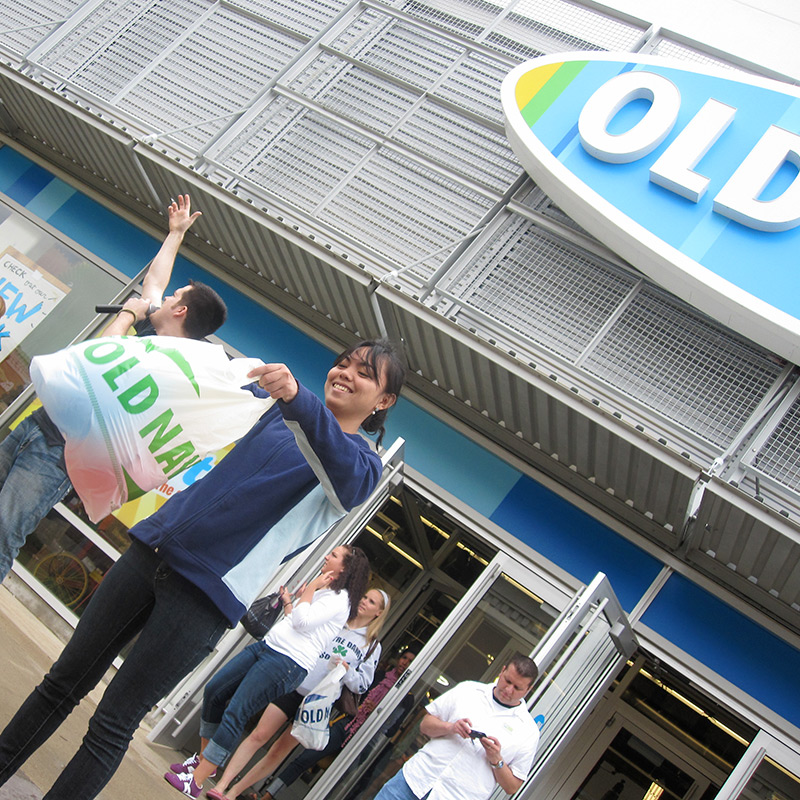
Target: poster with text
x=27, y=295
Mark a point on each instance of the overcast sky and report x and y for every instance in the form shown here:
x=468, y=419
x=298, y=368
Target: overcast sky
x=766, y=32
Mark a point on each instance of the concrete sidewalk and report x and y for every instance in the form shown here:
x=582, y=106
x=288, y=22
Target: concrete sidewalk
x=27, y=649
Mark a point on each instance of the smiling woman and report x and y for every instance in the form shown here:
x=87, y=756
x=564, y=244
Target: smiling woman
x=195, y=565
x=370, y=376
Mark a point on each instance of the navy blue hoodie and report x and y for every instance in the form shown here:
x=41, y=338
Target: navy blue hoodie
x=285, y=483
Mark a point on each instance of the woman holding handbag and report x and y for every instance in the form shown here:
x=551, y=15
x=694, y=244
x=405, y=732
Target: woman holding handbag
x=357, y=647
x=276, y=665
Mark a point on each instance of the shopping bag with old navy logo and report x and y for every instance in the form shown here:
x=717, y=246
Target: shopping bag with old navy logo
x=136, y=411
x=312, y=722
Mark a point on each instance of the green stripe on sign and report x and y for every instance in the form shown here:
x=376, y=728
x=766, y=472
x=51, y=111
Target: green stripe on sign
x=548, y=94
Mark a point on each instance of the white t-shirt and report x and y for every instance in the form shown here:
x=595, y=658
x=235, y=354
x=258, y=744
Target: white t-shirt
x=308, y=630
x=349, y=645
x=453, y=768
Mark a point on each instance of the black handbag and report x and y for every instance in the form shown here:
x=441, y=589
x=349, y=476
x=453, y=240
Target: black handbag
x=262, y=615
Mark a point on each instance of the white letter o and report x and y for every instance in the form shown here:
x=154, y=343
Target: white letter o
x=643, y=137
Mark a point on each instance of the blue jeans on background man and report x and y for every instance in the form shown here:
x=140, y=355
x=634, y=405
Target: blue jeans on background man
x=245, y=686
x=32, y=481
x=177, y=625
x=396, y=788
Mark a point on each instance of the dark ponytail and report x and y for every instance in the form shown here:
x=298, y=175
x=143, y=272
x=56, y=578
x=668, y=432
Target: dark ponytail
x=353, y=578
x=380, y=355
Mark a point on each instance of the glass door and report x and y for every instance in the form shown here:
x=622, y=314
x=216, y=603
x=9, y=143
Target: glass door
x=498, y=615
x=507, y=609
x=769, y=770
x=635, y=766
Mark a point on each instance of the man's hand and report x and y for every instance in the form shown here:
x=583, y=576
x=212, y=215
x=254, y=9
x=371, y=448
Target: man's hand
x=155, y=281
x=277, y=380
x=492, y=747
x=180, y=214
x=505, y=778
x=121, y=324
x=139, y=305
x=434, y=727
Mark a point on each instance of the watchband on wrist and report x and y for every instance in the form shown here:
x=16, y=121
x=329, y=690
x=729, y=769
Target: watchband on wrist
x=499, y=765
x=130, y=311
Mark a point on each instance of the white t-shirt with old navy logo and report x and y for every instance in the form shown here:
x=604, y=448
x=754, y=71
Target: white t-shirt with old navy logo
x=452, y=768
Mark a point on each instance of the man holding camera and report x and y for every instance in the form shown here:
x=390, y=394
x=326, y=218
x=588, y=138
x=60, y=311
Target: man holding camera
x=481, y=735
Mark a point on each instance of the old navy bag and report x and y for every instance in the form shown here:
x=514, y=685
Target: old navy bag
x=136, y=411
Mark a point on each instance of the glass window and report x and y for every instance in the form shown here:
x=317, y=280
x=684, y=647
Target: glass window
x=48, y=292
x=68, y=564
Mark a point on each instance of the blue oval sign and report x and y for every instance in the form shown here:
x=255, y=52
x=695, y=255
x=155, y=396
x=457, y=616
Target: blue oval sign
x=689, y=173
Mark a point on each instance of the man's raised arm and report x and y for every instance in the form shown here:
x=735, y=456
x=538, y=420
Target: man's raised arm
x=159, y=273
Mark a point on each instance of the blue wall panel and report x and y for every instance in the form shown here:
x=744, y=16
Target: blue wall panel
x=448, y=458
x=742, y=652
x=110, y=237
x=12, y=166
x=575, y=541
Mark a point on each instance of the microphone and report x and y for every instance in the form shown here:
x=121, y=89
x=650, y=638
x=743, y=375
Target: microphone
x=116, y=308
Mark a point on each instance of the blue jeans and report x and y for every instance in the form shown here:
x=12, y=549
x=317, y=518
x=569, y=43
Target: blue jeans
x=32, y=481
x=247, y=684
x=396, y=788
x=177, y=625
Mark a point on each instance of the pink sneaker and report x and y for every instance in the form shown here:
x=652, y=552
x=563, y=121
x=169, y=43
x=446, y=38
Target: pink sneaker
x=185, y=766
x=183, y=783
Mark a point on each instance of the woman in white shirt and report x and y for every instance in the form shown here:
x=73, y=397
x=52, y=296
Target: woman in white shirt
x=357, y=647
x=278, y=664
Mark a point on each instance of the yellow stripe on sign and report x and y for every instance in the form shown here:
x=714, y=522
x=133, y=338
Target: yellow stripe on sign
x=531, y=82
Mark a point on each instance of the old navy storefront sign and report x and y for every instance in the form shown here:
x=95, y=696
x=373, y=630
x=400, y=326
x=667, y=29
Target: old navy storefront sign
x=689, y=173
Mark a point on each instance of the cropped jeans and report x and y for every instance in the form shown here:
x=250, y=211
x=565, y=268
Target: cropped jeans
x=247, y=684
x=32, y=481
x=177, y=625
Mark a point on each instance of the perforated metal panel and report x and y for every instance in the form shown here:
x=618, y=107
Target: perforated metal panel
x=474, y=84
x=533, y=27
x=534, y=198
x=779, y=458
x=669, y=48
x=461, y=145
x=403, y=210
x=229, y=56
x=456, y=141
x=398, y=48
x=468, y=18
x=684, y=365
x=23, y=25
x=117, y=40
x=555, y=26
x=304, y=155
x=355, y=93
x=542, y=288
x=305, y=18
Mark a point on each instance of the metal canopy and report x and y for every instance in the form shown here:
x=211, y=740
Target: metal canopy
x=361, y=181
